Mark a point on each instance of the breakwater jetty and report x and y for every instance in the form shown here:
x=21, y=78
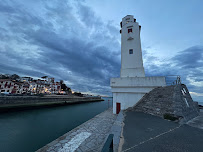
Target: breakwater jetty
x=170, y=102
x=89, y=136
x=24, y=102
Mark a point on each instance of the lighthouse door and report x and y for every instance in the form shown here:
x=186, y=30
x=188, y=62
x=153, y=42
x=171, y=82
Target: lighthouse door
x=118, y=107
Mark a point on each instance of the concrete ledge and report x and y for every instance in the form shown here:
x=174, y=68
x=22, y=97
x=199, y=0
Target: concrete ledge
x=137, y=81
x=116, y=130
x=43, y=102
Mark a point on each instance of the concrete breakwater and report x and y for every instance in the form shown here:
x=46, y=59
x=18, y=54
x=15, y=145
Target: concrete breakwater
x=13, y=102
x=170, y=101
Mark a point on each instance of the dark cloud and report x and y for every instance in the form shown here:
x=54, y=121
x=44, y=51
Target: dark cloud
x=190, y=58
x=68, y=41
x=6, y=8
x=187, y=64
x=88, y=17
x=51, y=45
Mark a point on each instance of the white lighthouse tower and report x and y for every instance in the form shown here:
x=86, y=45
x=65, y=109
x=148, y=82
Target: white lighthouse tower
x=132, y=84
x=131, y=54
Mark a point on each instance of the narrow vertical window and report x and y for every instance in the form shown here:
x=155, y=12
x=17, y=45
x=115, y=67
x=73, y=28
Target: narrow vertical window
x=130, y=30
x=130, y=51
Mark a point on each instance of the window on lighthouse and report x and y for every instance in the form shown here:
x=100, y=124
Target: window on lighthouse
x=130, y=30
x=130, y=51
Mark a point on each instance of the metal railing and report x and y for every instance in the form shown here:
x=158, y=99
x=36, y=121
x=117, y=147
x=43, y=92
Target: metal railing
x=173, y=80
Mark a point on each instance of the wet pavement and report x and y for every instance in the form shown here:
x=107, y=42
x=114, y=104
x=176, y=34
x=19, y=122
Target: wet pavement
x=147, y=133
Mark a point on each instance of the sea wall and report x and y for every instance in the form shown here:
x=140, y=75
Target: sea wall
x=33, y=99
x=16, y=103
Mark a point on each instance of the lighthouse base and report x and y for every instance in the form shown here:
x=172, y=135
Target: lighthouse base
x=127, y=91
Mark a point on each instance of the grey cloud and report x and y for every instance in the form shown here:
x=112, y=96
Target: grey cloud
x=88, y=17
x=56, y=43
x=187, y=64
x=6, y=8
x=190, y=58
x=5, y=68
x=62, y=54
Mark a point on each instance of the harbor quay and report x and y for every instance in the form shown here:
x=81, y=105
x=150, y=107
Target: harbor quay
x=9, y=103
x=36, y=99
x=89, y=136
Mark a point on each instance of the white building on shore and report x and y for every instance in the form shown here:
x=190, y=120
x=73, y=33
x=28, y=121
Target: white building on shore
x=132, y=84
x=27, y=85
x=6, y=86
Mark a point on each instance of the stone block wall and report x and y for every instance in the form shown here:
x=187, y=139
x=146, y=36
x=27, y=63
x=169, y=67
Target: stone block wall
x=174, y=100
x=8, y=100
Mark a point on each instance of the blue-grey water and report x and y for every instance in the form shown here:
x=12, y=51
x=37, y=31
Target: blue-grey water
x=27, y=131
x=200, y=103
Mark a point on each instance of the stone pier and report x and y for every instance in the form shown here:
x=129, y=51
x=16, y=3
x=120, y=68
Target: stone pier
x=89, y=136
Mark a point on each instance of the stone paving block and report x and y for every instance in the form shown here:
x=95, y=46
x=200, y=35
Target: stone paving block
x=58, y=144
x=52, y=143
x=57, y=148
x=50, y=148
x=63, y=141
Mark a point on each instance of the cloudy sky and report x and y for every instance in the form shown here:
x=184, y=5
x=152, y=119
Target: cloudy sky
x=79, y=40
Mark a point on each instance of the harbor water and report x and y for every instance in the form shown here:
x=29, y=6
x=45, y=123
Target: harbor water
x=29, y=130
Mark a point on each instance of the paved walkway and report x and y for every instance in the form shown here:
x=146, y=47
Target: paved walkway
x=88, y=137
x=143, y=132
x=198, y=121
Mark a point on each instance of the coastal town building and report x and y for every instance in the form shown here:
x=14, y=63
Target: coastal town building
x=132, y=84
x=26, y=79
x=27, y=85
x=6, y=85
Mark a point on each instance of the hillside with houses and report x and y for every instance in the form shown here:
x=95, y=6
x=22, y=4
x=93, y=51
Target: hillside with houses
x=14, y=84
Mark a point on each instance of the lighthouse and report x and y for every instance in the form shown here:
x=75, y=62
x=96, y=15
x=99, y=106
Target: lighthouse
x=132, y=84
x=131, y=54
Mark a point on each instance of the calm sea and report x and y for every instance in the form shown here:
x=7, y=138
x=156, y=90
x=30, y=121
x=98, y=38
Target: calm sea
x=27, y=131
